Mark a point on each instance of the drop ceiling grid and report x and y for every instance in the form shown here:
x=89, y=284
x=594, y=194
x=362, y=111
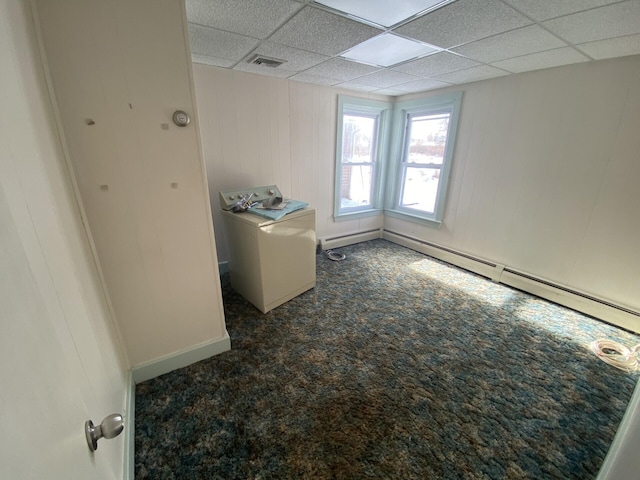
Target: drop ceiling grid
x=483, y=39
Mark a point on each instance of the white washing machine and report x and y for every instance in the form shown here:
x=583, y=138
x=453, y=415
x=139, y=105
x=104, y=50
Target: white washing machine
x=271, y=260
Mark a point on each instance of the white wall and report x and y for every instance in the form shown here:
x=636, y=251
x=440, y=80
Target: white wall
x=544, y=177
x=126, y=66
x=60, y=361
x=259, y=130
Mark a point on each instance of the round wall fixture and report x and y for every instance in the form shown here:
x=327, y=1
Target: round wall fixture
x=181, y=118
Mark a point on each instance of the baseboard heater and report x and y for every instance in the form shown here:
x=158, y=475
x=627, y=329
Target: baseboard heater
x=618, y=315
x=349, y=239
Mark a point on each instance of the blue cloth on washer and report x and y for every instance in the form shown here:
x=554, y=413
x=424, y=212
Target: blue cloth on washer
x=292, y=206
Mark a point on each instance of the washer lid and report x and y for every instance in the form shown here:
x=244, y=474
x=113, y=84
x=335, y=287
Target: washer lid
x=259, y=222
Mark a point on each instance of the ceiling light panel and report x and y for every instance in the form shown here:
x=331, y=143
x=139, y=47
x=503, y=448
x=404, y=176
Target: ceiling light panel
x=378, y=11
x=388, y=49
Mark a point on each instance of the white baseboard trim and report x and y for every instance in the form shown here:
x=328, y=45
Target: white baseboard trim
x=579, y=301
x=129, y=430
x=475, y=265
x=181, y=359
x=328, y=243
x=575, y=300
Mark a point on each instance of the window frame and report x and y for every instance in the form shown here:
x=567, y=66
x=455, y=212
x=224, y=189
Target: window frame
x=381, y=112
x=402, y=112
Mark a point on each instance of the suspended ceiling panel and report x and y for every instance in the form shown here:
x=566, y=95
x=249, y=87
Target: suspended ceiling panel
x=473, y=39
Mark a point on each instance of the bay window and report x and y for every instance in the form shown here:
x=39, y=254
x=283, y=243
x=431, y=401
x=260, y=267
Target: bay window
x=405, y=159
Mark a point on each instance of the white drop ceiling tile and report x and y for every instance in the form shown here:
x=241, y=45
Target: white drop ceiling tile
x=598, y=24
x=464, y=21
x=216, y=62
x=218, y=44
x=303, y=77
x=386, y=78
x=515, y=43
x=421, y=86
x=437, y=64
x=342, y=70
x=613, y=47
x=246, y=17
x=356, y=86
x=262, y=70
x=322, y=32
x=392, y=92
x=474, y=74
x=545, y=9
x=536, y=61
x=296, y=60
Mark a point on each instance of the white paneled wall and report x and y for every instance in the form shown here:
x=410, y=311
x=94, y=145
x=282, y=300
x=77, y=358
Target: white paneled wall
x=259, y=130
x=544, y=178
x=60, y=359
x=125, y=66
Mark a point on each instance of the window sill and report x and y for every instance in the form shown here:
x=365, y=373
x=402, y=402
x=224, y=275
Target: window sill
x=414, y=218
x=343, y=217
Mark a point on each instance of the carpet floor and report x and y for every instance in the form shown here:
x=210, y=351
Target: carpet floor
x=395, y=366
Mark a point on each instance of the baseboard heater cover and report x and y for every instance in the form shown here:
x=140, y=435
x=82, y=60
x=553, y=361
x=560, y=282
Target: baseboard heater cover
x=473, y=264
x=618, y=315
x=349, y=239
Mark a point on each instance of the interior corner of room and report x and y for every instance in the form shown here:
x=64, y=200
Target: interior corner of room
x=118, y=135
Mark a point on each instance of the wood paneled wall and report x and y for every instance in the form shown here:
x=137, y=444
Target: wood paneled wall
x=61, y=362
x=259, y=130
x=125, y=66
x=543, y=176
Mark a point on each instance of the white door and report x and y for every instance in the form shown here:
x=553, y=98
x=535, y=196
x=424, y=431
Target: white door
x=59, y=362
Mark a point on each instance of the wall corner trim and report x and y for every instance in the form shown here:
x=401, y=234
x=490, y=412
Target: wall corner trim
x=181, y=359
x=622, y=460
x=129, y=431
x=223, y=267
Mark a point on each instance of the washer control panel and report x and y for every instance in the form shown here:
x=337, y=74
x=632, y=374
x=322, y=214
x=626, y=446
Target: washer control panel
x=231, y=198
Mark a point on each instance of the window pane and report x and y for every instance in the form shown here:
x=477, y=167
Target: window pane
x=358, y=139
x=420, y=188
x=355, y=188
x=428, y=138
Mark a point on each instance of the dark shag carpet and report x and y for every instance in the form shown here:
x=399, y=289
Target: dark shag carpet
x=394, y=366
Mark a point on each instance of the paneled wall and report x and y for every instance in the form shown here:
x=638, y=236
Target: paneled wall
x=119, y=69
x=259, y=130
x=544, y=177
x=60, y=359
